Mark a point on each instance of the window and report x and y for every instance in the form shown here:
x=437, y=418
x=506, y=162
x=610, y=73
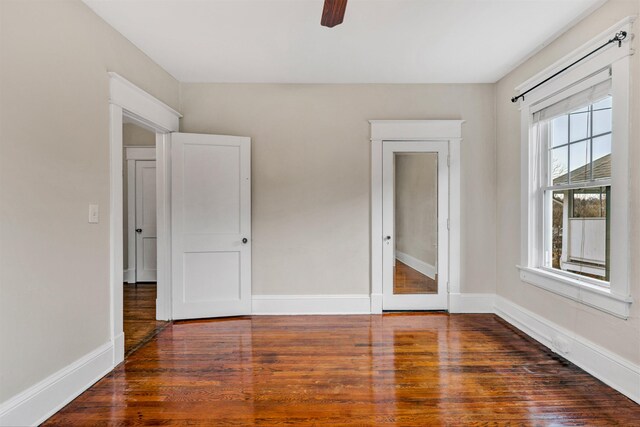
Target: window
x=575, y=170
x=577, y=183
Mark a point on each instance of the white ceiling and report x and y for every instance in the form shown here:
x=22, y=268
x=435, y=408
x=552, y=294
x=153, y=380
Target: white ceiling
x=380, y=41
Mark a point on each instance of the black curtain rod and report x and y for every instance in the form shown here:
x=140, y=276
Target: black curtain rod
x=619, y=36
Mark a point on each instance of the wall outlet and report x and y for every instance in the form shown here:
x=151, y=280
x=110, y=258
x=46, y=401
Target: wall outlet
x=94, y=214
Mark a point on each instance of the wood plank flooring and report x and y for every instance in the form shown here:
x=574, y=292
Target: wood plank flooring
x=406, y=280
x=406, y=369
x=139, y=315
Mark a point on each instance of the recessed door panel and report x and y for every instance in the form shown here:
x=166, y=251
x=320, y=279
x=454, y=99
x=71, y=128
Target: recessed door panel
x=211, y=189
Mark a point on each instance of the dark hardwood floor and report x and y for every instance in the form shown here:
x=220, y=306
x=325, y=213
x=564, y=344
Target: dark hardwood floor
x=406, y=280
x=408, y=369
x=139, y=315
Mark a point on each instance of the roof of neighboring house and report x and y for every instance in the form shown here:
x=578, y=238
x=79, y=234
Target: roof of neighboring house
x=601, y=170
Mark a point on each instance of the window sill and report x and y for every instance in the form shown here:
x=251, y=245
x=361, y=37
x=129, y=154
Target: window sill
x=582, y=292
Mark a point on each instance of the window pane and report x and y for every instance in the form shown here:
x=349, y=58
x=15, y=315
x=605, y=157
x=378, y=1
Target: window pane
x=589, y=203
x=579, y=235
x=605, y=103
x=559, y=131
x=579, y=126
x=579, y=159
x=559, y=165
x=602, y=157
x=601, y=121
x=557, y=214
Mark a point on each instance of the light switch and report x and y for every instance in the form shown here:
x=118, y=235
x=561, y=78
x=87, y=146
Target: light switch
x=94, y=214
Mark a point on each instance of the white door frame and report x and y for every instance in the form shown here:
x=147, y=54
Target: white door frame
x=126, y=100
x=133, y=154
x=414, y=130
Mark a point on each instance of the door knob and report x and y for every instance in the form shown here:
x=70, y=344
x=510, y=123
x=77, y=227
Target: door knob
x=244, y=240
x=138, y=230
x=387, y=238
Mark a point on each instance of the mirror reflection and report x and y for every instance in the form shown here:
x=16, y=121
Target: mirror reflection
x=416, y=223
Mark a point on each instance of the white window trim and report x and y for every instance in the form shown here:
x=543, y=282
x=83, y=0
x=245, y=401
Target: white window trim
x=616, y=299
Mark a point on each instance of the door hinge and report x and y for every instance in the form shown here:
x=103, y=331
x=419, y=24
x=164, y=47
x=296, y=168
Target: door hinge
x=448, y=160
x=448, y=289
x=448, y=224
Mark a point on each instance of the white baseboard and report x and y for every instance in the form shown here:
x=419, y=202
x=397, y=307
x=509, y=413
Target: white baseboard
x=34, y=405
x=421, y=266
x=129, y=276
x=311, y=304
x=608, y=367
x=471, y=303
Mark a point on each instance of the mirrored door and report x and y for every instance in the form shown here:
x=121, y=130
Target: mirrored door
x=415, y=206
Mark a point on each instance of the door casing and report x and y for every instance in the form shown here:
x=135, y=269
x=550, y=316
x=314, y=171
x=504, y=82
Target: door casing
x=414, y=130
x=127, y=102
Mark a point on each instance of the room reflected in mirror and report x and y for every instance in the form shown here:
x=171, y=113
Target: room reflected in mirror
x=416, y=223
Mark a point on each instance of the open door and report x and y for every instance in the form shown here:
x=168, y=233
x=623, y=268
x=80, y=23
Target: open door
x=210, y=225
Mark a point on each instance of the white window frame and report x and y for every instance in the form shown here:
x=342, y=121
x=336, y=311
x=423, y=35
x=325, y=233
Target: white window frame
x=615, y=299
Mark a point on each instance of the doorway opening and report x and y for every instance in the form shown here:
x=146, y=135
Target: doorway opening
x=129, y=104
x=140, y=258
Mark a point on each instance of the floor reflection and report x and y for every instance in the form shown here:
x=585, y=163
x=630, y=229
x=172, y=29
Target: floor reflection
x=394, y=369
x=407, y=280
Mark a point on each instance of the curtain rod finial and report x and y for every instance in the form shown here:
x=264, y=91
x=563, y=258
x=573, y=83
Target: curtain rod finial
x=620, y=35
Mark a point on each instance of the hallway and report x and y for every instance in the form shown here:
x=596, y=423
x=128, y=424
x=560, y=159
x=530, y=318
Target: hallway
x=139, y=315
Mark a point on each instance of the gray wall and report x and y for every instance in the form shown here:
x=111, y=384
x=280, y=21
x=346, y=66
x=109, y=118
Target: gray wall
x=54, y=162
x=311, y=174
x=416, y=205
x=619, y=336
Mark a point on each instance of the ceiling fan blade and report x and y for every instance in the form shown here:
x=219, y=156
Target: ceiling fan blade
x=333, y=12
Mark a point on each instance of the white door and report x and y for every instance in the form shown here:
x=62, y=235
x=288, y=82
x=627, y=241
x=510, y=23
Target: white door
x=210, y=225
x=415, y=278
x=146, y=238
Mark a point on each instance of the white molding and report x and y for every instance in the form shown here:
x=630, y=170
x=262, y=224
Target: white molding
x=376, y=303
x=420, y=130
x=116, y=247
x=118, y=349
x=471, y=303
x=608, y=367
x=574, y=289
x=142, y=106
x=163, y=224
x=40, y=401
x=310, y=304
x=128, y=101
x=418, y=265
x=129, y=275
x=414, y=130
x=140, y=153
